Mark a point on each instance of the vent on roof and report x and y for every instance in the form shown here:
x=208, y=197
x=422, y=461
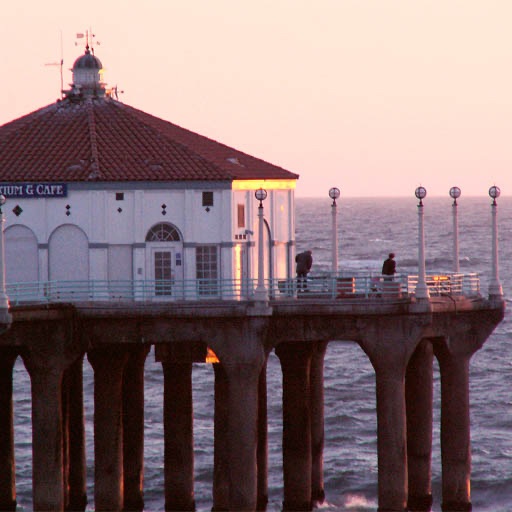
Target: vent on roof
x=234, y=160
x=154, y=166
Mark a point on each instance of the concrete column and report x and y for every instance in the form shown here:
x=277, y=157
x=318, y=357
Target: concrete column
x=463, y=334
x=65, y=400
x=418, y=398
x=108, y=363
x=262, y=454
x=47, y=459
x=179, y=436
x=239, y=345
x=49, y=349
x=221, y=451
x=455, y=429
x=7, y=459
x=317, y=422
x=75, y=477
x=389, y=343
x=391, y=439
x=133, y=428
x=242, y=427
x=296, y=363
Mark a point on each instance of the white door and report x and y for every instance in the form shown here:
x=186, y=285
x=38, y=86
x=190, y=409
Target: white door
x=163, y=271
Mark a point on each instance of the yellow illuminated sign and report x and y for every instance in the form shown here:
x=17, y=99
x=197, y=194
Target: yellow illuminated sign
x=266, y=184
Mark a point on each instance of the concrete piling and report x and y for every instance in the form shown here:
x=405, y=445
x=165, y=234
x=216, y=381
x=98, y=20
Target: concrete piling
x=133, y=429
x=108, y=363
x=262, y=450
x=179, y=437
x=317, y=422
x=221, y=442
x=74, y=436
x=8, y=357
x=418, y=398
x=295, y=361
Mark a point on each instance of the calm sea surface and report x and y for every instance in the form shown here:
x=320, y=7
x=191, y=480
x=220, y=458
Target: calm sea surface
x=368, y=230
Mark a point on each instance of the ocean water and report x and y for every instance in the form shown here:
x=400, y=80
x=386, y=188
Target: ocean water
x=368, y=230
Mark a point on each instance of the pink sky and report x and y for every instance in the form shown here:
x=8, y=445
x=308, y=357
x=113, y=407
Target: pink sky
x=374, y=97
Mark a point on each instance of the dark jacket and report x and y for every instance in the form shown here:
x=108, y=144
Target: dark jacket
x=389, y=267
x=304, y=262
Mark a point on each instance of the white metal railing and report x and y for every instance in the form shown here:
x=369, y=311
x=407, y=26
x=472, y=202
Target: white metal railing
x=360, y=286
x=446, y=283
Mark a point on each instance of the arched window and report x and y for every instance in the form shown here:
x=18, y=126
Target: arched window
x=21, y=255
x=163, y=233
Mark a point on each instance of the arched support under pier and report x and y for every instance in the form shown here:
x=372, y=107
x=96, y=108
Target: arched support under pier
x=418, y=398
x=7, y=459
x=108, y=362
x=459, y=336
x=389, y=343
x=240, y=347
x=295, y=361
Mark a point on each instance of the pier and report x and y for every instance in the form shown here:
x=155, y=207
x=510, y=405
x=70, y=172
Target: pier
x=399, y=333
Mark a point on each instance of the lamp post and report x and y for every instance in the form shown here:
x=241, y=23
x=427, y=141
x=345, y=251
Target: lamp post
x=334, y=193
x=4, y=301
x=455, y=194
x=495, y=289
x=261, y=293
x=421, y=286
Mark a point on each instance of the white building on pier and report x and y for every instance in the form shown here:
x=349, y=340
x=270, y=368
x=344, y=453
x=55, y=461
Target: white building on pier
x=100, y=191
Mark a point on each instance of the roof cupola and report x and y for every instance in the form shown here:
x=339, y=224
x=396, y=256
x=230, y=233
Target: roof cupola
x=88, y=75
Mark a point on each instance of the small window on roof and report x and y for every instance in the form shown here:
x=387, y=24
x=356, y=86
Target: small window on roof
x=207, y=198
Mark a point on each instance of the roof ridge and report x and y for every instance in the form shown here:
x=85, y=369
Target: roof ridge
x=95, y=164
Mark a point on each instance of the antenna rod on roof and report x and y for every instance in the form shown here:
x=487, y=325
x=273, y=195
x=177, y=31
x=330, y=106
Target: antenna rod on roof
x=61, y=63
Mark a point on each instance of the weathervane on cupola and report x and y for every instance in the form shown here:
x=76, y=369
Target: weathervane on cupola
x=87, y=73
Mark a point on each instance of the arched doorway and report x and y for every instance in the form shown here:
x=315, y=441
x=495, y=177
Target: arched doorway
x=164, y=259
x=68, y=254
x=21, y=255
x=68, y=262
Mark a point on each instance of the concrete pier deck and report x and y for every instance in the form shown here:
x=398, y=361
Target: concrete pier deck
x=400, y=338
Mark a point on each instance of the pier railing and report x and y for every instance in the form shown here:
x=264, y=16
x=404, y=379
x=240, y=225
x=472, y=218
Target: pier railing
x=327, y=286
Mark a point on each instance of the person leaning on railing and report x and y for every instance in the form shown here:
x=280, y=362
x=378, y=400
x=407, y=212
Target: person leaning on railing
x=389, y=267
x=304, y=262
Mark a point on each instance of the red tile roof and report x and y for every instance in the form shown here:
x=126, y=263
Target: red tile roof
x=102, y=139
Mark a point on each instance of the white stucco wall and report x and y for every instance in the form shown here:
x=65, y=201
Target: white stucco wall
x=106, y=221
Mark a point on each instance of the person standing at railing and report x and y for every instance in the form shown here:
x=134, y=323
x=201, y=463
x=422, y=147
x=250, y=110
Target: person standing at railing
x=389, y=267
x=304, y=261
